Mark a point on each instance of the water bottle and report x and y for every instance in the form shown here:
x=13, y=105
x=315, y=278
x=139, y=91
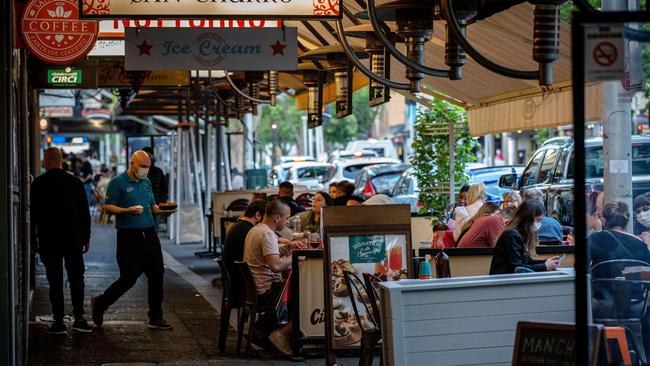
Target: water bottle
x=295, y=224
x=443, y=269
x=425, y=269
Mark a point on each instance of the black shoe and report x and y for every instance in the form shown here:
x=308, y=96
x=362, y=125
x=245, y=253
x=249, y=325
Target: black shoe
x=57, y=328
x=97, y=313
x=82, y=326
x=159, y=324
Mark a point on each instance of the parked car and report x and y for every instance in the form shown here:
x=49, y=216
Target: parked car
x=376, y=179
x=551, y=171
x=278, y=173
x=309, y=175
x=345, y=154
x=349, y=169
x=384, y=148
x=295, y=159
x=407, y=189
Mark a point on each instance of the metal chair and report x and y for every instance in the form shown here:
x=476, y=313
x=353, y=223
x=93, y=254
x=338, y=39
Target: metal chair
x=370, y=336
x=370, y=280
x=231, y=299
x=615, y=267
x=622, y=303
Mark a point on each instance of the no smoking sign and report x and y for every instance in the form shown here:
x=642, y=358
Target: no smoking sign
x=604, y=53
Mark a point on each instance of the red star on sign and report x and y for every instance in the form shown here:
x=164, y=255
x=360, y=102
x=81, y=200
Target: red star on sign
x=144, y=48
x=278, y=48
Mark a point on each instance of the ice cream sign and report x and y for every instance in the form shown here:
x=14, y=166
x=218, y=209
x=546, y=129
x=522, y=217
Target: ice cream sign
x=211, y=49
x=221, y=9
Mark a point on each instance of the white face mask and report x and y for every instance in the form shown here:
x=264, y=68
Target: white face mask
x=537, y=226
x=142, y=173
x=643, y=218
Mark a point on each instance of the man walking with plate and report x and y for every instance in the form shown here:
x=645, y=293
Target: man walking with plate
x=130, y=197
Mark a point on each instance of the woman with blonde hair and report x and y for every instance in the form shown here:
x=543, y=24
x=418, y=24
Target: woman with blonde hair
x=475, y=199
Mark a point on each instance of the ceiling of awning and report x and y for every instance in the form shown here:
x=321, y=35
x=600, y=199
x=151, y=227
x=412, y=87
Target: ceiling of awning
x=505, y=38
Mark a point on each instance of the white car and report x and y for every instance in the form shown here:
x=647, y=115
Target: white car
x=349, y=169
x=295, y=159
x=384, y=148
x=345, y=154
x=309, y=175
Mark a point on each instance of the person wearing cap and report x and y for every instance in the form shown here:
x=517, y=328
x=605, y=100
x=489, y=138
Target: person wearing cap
x=130, y=197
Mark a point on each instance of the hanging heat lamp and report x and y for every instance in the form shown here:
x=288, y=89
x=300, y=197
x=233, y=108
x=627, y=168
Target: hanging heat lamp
x=338, y=64
x=379, y=61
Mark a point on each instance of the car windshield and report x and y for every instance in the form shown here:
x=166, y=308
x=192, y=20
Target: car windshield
x=312, y=172
x=594, y=164
x=384, y=183
x=351, y=171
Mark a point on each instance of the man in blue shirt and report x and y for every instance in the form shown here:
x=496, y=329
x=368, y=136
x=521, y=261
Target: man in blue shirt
x=130, y=198
x=551, y=230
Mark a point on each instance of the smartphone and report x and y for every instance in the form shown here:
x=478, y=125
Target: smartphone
x=562, y=257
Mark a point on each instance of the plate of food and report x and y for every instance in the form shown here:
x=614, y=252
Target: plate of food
x=340, y=265
x=168, y=206
x=345, y=335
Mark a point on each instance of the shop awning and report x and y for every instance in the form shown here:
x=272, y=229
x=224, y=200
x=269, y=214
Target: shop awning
x=495, y=102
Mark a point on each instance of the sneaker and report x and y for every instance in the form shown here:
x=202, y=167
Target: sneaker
x=97, y=314
x=159, y=324
x=57, y=328
x=82, y=326
x=281, y=342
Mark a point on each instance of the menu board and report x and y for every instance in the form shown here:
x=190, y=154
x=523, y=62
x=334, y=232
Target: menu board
x=381, y=255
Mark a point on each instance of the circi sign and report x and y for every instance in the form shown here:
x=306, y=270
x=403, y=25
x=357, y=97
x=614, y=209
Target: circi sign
x=53, y=32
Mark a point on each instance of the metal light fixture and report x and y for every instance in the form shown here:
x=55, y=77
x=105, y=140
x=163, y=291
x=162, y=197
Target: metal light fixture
x=379, y=61
x=314, y=81
x=222, y=92
x=414, y=20
x=338, y=64
x=253, y=80
x=455, y=56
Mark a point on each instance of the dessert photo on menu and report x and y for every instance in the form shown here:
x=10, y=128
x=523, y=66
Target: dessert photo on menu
x=383, y=256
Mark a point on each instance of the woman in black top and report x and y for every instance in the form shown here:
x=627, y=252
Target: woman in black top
x=614, y=242
x=311, y=218
x=516, y=244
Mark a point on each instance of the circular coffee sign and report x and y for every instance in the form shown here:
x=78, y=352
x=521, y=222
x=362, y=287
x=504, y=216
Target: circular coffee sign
x=53, y=32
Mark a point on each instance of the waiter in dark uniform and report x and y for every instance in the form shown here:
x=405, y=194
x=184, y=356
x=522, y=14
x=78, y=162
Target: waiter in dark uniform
x=130, y=197
x=58, y=198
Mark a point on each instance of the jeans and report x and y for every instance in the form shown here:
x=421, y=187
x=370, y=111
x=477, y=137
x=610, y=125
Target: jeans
x=74, y=266
x=138, y=252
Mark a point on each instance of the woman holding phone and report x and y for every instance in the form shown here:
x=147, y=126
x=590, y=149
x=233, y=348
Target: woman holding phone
x=516, y=245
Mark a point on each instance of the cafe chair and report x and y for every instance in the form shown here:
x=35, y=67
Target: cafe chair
x=615, y=267
x=305, y=199
x=621, y=303
x=231, y=299
x=250, y=307
x=238, y=205
x=371, y=282
x=370, y=332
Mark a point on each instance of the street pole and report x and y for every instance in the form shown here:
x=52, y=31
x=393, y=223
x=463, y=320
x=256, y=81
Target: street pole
x=617, y=132
x=248, y=141
x=305, y=135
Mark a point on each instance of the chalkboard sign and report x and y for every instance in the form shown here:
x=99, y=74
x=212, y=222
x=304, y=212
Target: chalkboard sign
x=367, y=248
x=554, y=344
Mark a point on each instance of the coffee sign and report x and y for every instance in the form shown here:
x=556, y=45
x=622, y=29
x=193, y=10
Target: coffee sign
x=211, y=49
x=367, y=249
x=244, y=9
x=52, y=31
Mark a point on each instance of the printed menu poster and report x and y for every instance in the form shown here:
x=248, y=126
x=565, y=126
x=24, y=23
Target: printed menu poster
x=381, y=255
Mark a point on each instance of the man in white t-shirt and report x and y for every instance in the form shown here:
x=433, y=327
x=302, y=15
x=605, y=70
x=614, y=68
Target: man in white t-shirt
x=262, y=254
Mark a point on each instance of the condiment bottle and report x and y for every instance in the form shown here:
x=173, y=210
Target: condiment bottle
x=425, y=268
x=443, y=269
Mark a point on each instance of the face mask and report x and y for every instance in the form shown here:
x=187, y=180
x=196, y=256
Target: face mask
x=538, y=225
x=142, y=173
x=643, y=218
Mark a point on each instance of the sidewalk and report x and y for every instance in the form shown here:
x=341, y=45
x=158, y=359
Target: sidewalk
x=124, y=336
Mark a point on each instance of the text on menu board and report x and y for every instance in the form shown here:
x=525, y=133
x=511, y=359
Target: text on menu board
x=367, y=248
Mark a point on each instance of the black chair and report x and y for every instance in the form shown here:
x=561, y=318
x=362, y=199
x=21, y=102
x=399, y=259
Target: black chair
x=370, y=332
x=622, y=303
x=371, y=282
x=231, y=299
x=614, y=268
x=250, y=307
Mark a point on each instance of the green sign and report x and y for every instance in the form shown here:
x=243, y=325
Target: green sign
x=67, y=77
x=367, y=249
